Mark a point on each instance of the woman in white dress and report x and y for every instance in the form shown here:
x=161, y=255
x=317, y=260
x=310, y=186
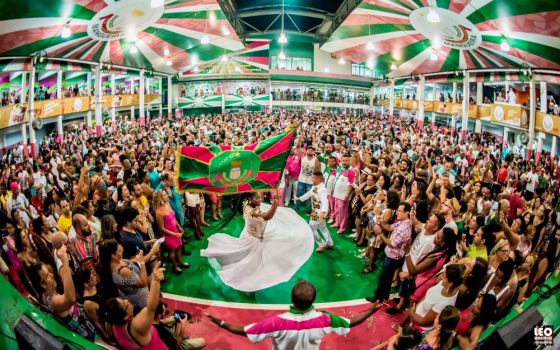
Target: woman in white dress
x=274, y=244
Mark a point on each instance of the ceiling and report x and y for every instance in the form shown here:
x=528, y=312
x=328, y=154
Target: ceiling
x=104, y=30
x=469, y=33
x=315, y=20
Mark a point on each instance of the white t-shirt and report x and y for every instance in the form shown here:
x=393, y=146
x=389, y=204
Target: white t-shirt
x=422, y=245
x=434, y=300
x=307, y=169
x=532, y=180
x=192, y=199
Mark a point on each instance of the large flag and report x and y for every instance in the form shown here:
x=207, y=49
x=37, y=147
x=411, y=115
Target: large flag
x=229, y=170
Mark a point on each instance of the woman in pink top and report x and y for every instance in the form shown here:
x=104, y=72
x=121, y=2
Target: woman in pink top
x=137, y=332
x=170, y=229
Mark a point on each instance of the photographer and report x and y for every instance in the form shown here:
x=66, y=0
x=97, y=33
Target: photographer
x=171, y=329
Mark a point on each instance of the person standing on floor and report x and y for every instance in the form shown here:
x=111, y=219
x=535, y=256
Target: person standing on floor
x=319, y=211
x=301, y=328
x=341, y=192
x=309, y=165
x=400, y=235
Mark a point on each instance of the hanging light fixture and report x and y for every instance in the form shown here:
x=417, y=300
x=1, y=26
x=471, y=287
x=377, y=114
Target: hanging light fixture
x=436, y=42
x=66, y=32
x=341, y=60
x=205, y=40
x=282, y=55
x=433, y=16
x=393, y=66
x=433, y=57
x=133, y=48
x=282, y=39
x=237, y=69
x=327, y=69
x=195, y=69
x=224, y=59
x=168, y=63
x=504, y=46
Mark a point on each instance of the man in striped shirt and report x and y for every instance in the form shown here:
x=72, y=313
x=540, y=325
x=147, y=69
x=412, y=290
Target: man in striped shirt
x=301, y=328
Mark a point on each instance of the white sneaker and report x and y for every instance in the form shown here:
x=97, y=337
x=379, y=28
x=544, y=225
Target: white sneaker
x=353, y=235
x=353, y=230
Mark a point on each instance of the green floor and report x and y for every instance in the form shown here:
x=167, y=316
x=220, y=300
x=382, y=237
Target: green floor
x=335, y=273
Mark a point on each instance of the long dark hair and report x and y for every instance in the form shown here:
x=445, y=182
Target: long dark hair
x=487, y=310
x=449, y=320
x=106, y=249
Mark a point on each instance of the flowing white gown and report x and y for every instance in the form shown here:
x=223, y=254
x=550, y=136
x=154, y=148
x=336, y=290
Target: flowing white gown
x=250, y=264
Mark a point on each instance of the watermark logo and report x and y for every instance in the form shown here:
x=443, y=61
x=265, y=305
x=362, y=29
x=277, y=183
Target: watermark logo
x=543, y=335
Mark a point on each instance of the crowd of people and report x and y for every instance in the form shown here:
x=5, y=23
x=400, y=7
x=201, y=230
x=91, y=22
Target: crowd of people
x=319, y=95
x=463, y=230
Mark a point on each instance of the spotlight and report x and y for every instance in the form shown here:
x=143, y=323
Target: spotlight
x=133, y=49
x=66, y=32
x=327, y=69
x=281, y=55
x=433, y=57
x=168, y=63
x=504, y=46
x=224, y=58
x=282, y=39
x=341, y=60
x=433, y=17
x=370, y=46
x=393, y=66
x=205, y=40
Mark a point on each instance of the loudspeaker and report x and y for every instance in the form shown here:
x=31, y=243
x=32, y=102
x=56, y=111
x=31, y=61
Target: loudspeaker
x=516, y=334
x=30, y=335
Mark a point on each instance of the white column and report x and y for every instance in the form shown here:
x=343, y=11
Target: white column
x=132, y=92
x=141, y=108
x=113, y=111
x=32, y=141
x=88, y=115
x=24, y=140
x=169, y=104
x=391, y=99
x=98, y=115
x=506, y=131
x=466, y=97
x=454, y=92
x=269, y=96
x=59, y=130
x=420, y=113
x=479, y=100
x=532, y=114
x=553, y=148
x=160, y=99
x=59, y=84
x=453, y=122
x=540, y=138
x=132, y=120
x=543, y=96
x=23, y=95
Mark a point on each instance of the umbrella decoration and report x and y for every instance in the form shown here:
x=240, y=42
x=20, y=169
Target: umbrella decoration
x=407, y=37
x=168, y=37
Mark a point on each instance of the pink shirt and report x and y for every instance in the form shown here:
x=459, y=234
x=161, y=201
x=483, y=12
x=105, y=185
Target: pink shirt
x=293, y=166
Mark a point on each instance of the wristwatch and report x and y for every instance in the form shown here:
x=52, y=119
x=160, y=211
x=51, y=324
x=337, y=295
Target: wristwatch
x=222, y=323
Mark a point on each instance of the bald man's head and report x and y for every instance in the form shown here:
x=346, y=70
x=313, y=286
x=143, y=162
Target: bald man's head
x=303, y=295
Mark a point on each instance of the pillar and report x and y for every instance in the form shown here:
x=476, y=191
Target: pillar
x=60, y=131
x=23, y=95
x=391, y=100
x=160, y=99
x=540, y=139
x=543, y=96
x=24, y=140
x=88, y=84
x=466, y=97
x=479, y=100
x=553, y=148
x=98, y=112
x=32, y=141
x=59, y=84
x=113, y=111
x=169, y=105
x=504, y=141
x=532, y=114
x=453, y=121
x=141, y=107
x=88, y=123
x=132, y=120
x=454, y=92
x=420, y=114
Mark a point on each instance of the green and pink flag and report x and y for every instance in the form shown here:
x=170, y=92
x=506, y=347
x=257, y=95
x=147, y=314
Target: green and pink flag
x=233, y=169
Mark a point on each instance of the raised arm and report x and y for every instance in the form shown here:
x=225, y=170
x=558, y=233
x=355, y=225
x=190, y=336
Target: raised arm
x=270, y=213
x=142, y=323
x=61, y=303
x=233, y=328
